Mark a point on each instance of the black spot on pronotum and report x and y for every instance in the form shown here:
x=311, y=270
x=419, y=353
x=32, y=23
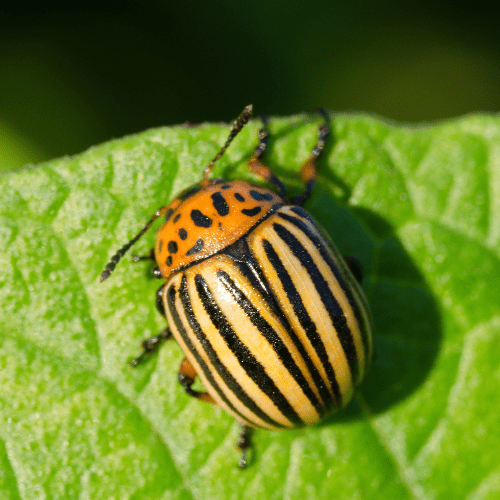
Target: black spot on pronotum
x=182, y=234
x=168, y=214
x=198, y=247
x=260, y=196
x=226, y=186
x=199, y=219
x=239, y=197
x=172, y=247
x=169, y=260
x=220, y=204
x=177, y=217
x=189, y=192
x=251, y=212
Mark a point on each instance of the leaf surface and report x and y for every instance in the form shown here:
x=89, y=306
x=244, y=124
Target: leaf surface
x=418, y=206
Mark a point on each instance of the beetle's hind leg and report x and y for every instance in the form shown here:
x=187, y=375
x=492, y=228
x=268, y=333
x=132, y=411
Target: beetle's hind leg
x=309, y=168
x=187, y=376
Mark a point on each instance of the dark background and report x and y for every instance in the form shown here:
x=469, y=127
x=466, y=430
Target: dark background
x=73, y=76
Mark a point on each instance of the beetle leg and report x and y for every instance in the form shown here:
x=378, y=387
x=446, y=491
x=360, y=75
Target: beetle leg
x=355, y=267
x=309, y=168
x=149, y=256
x=150, y=345
x=159, y=300
x=187, y=376
x=257, y=167
x=244, y=443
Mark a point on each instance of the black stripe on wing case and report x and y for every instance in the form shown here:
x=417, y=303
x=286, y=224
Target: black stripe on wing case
x=355, y=306
x=250, y=267
x=272, y=337
x=332, y=306
x=214, y=359
x=171, y=295
x=247, y=361
x=308, y=325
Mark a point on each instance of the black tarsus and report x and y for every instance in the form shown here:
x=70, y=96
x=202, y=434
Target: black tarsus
x=150, y=345
x=244, y=444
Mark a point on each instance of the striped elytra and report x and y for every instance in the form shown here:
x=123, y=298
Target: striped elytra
x=267, y=311
x=275, y=325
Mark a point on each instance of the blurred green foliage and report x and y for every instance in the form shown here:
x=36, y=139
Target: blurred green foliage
x=72, y=75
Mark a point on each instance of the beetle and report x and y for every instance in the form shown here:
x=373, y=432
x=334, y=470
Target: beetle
x=269, y=315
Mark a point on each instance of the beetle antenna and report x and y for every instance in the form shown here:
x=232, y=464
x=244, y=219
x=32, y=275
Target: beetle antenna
x=124, y=249
x=237, y=125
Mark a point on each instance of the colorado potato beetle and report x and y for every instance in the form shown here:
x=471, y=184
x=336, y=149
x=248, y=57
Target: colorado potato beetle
x=268, y=313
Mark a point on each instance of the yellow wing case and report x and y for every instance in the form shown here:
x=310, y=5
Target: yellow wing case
x=275, y=325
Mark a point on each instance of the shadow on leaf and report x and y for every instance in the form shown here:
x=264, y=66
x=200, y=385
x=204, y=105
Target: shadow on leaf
x=407, y=320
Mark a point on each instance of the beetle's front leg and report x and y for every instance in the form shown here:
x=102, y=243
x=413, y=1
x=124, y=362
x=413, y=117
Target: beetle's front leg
x=149, y=256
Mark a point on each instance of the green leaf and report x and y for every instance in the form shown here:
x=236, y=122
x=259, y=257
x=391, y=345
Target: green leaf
x=419, y=206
